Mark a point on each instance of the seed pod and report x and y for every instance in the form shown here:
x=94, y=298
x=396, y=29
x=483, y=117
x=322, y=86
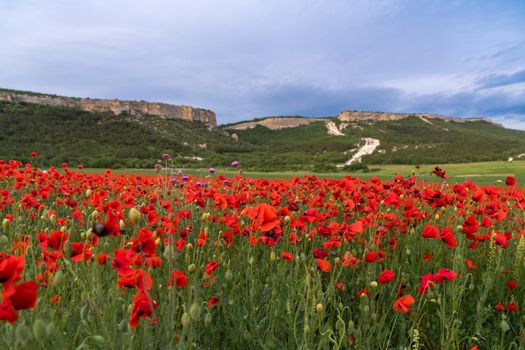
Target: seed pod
x=307, y=331
x=134, y=215
x=6, y=224
x=207, y=320
x=84, y=312
x=229, y=275
x=40, y=330
x=58, y=278
x=98, y=339
x=185, y=320
x=195, y=311
x=23, y=333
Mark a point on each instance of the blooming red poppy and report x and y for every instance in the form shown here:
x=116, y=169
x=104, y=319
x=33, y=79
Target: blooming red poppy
x=211, y=266
x=430, y=231
x=213, y=301
x=178, y=278
x=323, y=265
x=510, y=181
x=403, y=304
x=138, y=279
x=143, y=306
x=287, y=256
x=25, y=296
x=386, y=276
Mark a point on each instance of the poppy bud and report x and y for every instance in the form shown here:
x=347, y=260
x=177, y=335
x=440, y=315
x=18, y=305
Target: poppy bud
x=63, y=229
x=207, y=320
x=307, y=331
x=373, y=284
x=195, y=311
x=121, y=224
x=351, y=326
x=3, y=239
x=192, y=268
x=287, y=219
x=247, y=335
x=6, y=224
x=123, y=326
x=134, y=215
x=84, y=312
x=319, y=308
x=59, y=278
x=23, y=333
x=88, y=192
x=40, y=330
x=53, y=219
x=273, y=257
x=229, y=275
x=340, y=326
x=189, y=246
x=185, y=320
x=94, y=214
x=504, y=326
x=50, y=330
x=98, y=339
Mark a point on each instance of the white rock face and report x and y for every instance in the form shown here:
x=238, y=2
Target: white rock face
x=333, y=130
x=368, y=148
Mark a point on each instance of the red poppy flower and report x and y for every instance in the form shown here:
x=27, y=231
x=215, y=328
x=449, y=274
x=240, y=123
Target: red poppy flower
x=178, y=278
x=403, y=304
x=211, y=266
x=24, y=296
x=143, y=306
x=430, y=231
x=510, y=181
x=323, y=265
x=386, y=276
x=213, y=301
x=139, y=279
x=287, y=256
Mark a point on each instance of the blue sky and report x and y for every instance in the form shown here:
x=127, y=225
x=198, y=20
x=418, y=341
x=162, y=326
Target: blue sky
x=246, y=59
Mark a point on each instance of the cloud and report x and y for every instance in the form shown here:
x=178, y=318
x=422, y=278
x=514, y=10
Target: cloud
x=256, y=58
x=497, y=80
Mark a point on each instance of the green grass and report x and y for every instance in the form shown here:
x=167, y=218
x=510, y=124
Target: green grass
x=482, y=173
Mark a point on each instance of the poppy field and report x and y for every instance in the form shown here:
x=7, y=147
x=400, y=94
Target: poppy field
x=169, y=261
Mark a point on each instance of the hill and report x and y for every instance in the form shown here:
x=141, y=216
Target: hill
x=348, y=141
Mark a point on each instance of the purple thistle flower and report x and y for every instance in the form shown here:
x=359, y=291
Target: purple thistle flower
x=165, y=156
x=211, y=170
x=235, y=163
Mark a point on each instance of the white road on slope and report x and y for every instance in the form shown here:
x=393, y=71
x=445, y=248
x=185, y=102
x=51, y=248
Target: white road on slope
x=368, y=148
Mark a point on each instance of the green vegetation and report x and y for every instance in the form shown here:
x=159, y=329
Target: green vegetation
x=103, y=140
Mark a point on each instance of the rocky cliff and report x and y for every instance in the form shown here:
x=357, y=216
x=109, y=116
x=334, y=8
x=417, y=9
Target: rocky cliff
x=276, y=123
x=353, y=116
x=116, y=106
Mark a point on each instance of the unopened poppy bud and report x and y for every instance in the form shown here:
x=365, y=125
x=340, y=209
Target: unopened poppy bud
x=40, y=330
x=3, y=239
x=157, y=241
x=373, y=316
x=94, y=214
x=351, y=326
x=366, y=309
x=89, y=233
x=189, y=246
x=98, y=339
x=504, y=326
x=195, y=311
x=273, y=257
x=59, y=278
x=50, y=330
x=88, y=192
x=6, y=224
x=229, y=275
x=340, y=326
x=192, y=268
x=63, y=229
x=407, y=251
x=319, y=308
x=123, y=326
x=207, y=320
x=23, y=333
x=247, y=335
x=185, y=320
x=53, y=219
x=307, y=331
x=373, y=284
x=121, y=223
x=251, y=260
x=134, y=215
x=84, y=312
x=436, y=216
x=287, y=219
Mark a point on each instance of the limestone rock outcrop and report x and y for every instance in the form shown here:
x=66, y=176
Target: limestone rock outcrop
x=117, y=107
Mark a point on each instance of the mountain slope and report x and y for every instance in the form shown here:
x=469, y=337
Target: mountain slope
x=102, y=139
